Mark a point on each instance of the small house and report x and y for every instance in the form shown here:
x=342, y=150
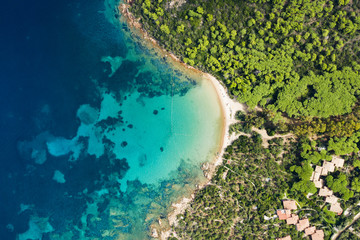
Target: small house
x=303, y=224
x=318, y=235
x=289, y=204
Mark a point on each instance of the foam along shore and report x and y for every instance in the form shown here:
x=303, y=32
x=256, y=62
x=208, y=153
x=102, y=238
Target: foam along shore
x=229, y=107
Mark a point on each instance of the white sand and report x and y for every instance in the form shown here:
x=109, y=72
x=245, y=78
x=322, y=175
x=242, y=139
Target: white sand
x=229, y=108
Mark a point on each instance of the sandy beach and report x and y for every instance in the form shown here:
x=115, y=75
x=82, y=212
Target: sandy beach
x=229, y=107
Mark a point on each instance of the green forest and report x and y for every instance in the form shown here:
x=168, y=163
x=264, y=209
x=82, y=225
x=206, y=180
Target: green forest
x=297, y=57
x=298, y=63
x=289, y=164
x=242, y=191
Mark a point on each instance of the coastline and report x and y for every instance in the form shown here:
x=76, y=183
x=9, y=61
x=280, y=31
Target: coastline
x=229, y=107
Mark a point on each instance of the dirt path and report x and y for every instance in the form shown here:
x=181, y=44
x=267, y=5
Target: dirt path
x=265, y=137
x=338, y=233
x=352, y=230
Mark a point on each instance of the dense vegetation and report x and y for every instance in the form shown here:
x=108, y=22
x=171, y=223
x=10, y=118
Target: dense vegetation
x=352, y=233
x=297, y=57
x=332, y=140
x=246, y=188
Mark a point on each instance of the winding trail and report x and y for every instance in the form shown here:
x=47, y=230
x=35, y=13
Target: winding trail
x=265, y=137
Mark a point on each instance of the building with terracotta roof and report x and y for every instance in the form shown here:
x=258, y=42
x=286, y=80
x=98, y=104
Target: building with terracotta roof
x=284, y=238
x=324, y=192
x=336, y=208
x=289, y=204
x=310, y=230
x=318, y=235
x=292, y=220
x=302, y=224
x=283, y=214
x=338, y=162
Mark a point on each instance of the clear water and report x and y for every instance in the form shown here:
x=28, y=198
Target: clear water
x=100, y=134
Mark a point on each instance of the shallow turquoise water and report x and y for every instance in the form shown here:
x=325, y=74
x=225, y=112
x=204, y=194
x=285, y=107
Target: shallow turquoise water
x=107, y=145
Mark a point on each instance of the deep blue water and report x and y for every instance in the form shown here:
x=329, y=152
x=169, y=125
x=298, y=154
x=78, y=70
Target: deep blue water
x=45, y=59
x=90, y=152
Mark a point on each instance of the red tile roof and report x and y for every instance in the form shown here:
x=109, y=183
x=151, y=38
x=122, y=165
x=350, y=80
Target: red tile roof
x=283, y=214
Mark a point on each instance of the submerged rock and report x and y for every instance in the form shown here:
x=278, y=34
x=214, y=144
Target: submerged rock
x=142, y=160
x=39, y=155
x=35, y=149
x=37, y=227
x=59, y=177
x=10, y=227
x=115, y=63
x=87, y=114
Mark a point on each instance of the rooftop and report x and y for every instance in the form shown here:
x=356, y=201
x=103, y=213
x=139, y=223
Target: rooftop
x=310, y=230
x=336, y=208
x=283, y=214
x=319, y=184
x=292, y=220
x=318, y=169
x=324, y=192
x=324, y=172
x=331, y=199
x=290, y=204
x=338, y=162
x=316, y=176
x=318, y=235
x=303, y=223
x=329, y=166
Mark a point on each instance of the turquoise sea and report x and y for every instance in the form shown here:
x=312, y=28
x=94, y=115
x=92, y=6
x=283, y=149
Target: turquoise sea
x=100, y=132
